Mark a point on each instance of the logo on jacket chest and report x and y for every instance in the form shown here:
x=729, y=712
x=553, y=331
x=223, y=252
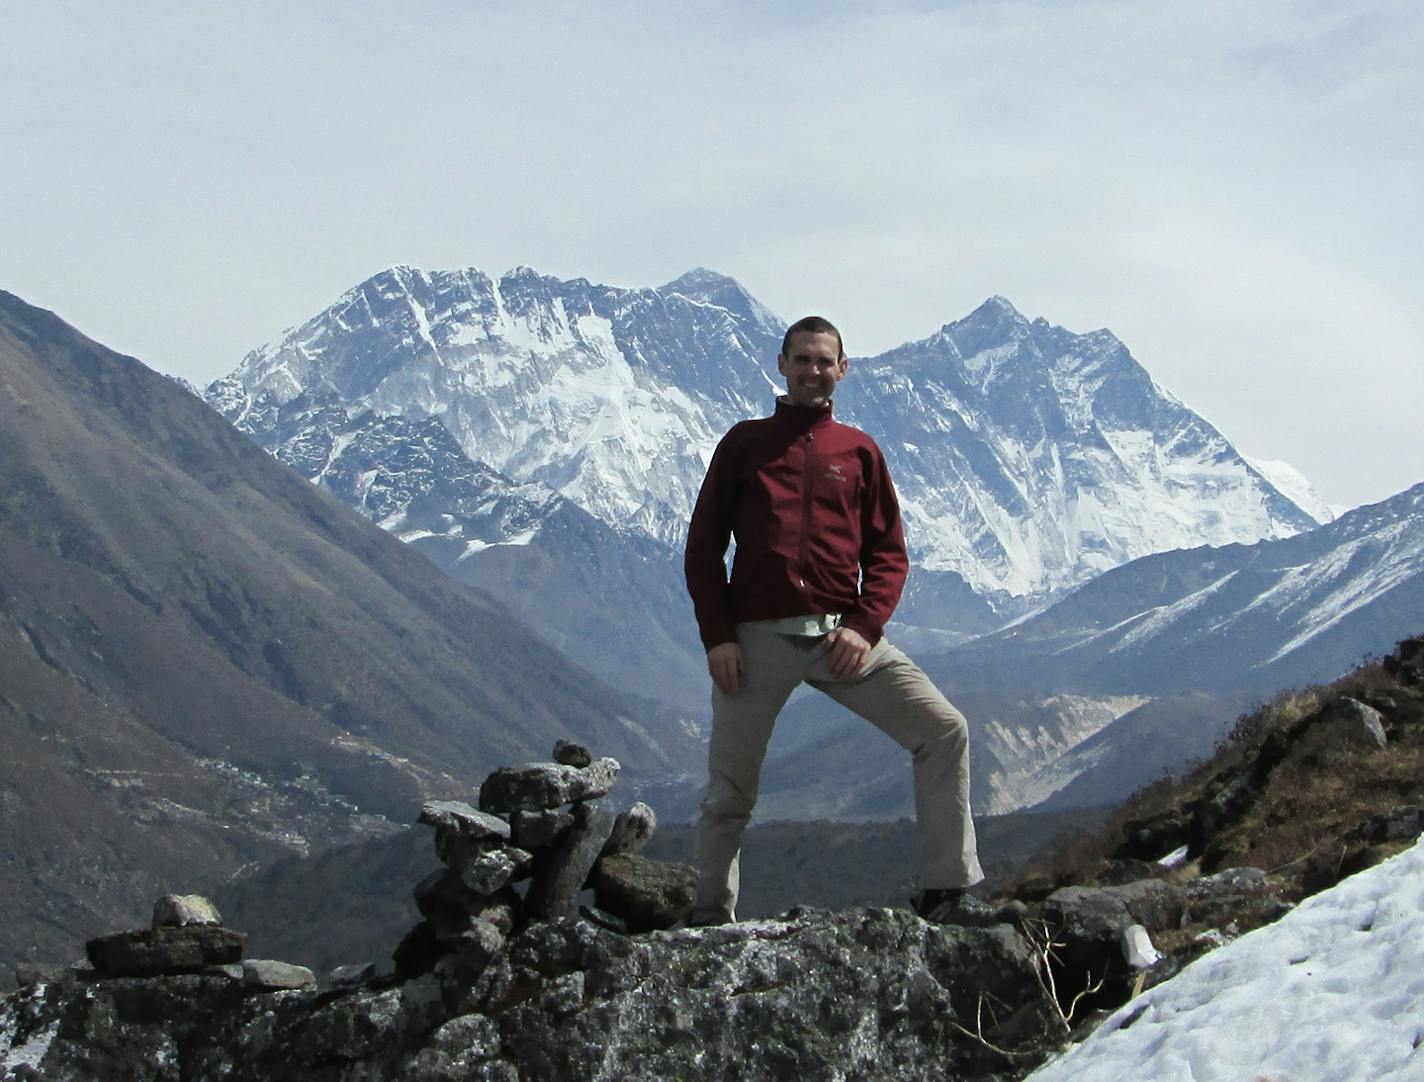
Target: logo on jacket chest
x=835, y=472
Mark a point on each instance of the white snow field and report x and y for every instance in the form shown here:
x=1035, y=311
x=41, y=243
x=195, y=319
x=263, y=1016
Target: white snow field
x=1334, y=991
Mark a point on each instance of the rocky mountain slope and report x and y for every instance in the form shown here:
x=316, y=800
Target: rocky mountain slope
x=1240, y=617
x=1028, y=459
x=210, y=663
x=877, y=992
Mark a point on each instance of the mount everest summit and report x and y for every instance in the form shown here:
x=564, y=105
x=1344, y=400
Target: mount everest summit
x=474, y=416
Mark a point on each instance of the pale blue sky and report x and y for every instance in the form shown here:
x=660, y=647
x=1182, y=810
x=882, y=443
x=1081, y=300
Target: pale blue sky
x=1232, y=188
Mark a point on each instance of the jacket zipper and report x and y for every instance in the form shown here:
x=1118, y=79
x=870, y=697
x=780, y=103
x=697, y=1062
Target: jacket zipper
x=806, y=508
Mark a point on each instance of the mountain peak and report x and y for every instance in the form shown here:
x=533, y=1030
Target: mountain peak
x=710, y=287
x=700, y=278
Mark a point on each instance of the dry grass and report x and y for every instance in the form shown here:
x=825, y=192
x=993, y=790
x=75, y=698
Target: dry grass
x=1296, y=827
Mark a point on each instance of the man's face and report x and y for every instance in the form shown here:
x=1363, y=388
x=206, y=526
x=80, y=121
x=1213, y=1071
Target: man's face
x=812, y=369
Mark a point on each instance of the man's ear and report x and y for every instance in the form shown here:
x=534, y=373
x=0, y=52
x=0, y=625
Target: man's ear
x=781, y=363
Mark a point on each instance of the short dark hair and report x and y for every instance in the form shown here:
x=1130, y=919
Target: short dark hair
x=812, y=325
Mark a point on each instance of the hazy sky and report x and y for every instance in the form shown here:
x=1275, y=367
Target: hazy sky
x=1234, y=189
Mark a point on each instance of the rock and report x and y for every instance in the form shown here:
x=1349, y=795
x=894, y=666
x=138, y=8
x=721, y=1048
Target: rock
x=1406, y=664
x=1091, y=921
x=1150, y=838
x=1152, y=902
x=1123, y=870
x=28, y=974
x=417, y=952
x=352, y=975
x=537, y=829
x=448, y=903
x=1225, y=802
x=646, y=894
x=272, y=976
x=868, y=993
x=1088, y=919
x=232, y=971
x=536, y=786
x=457, y=817
x=631, y=830
x=1137, y=948
x=1343, y=722
x=462, y=834
x=497, y=869
x=567, y=753
x=149, y=952
x=1224, y=896
x=353, y=1027
x=1401, y=823
x=471, y=951
x=178, y=910
x=562, y=874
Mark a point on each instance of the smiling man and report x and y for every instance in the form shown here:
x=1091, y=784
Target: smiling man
x=819, y=567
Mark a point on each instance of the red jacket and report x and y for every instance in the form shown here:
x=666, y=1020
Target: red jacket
x=817, y=525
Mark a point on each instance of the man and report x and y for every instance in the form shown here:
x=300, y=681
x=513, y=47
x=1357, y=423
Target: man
x=819, y=567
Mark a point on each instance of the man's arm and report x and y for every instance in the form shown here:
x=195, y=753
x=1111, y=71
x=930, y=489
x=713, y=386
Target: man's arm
x=883, y=561
x=705, y=567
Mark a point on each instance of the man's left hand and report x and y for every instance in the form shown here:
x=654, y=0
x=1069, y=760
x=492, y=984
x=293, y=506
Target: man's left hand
x=848, y=650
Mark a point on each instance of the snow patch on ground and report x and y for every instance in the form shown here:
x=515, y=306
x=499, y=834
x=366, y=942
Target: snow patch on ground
x=1332, y=992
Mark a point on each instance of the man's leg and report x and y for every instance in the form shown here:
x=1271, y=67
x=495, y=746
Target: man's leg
x=741, y=726
x=894, y=694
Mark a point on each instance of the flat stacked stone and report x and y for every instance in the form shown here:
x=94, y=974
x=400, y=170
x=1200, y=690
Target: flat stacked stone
x=154, y=952
x=540, y=822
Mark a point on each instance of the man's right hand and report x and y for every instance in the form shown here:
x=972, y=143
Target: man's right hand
x=724, y=662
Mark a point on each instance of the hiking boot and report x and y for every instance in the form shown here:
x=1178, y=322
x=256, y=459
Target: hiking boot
x=937, y=904
x=952, y=905
x=709, y=918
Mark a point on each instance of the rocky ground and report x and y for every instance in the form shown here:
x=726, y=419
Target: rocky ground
x=507, y=976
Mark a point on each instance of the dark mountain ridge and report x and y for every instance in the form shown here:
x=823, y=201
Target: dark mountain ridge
x=210, y=663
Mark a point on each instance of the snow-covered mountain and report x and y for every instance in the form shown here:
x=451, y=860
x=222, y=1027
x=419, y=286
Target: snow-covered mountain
x=1028, y=459
x=1031, y=459
x=1296, y=610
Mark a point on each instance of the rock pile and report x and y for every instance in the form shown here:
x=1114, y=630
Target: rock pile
x=539, y=836
x=186, y=936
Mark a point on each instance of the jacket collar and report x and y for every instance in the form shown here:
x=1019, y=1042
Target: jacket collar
x=801, y=418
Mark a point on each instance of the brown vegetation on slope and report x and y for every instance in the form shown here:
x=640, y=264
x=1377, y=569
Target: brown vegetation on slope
x=1278, y=795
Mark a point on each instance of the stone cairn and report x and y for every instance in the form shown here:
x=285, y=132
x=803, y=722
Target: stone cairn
x=538, y=838
x=185, y=936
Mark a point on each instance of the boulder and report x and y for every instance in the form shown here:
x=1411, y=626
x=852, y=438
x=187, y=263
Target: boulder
x=1222, y=897
x=560, y=875
x=1154, y=903
x=1089, y=924
x=645, y=894
x=28, y=974
x=537, y=829
x=459, y=818
x=1152, y=837
x=536, y=786
x=269, y=975
x=1343, y=722
x=178, y=910
x=631, y=830
x=497, y=869
x=149, y=952
x=567, y=753
x=352, y=975
x=448, y=903
x=865, y=993
x=1403, y=822
x=471, y=951
x=418, y=951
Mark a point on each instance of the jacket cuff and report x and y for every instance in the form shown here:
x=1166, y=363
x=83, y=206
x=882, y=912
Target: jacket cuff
x=866, y=629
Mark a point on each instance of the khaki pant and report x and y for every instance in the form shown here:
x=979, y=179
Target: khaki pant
x=892, y=693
